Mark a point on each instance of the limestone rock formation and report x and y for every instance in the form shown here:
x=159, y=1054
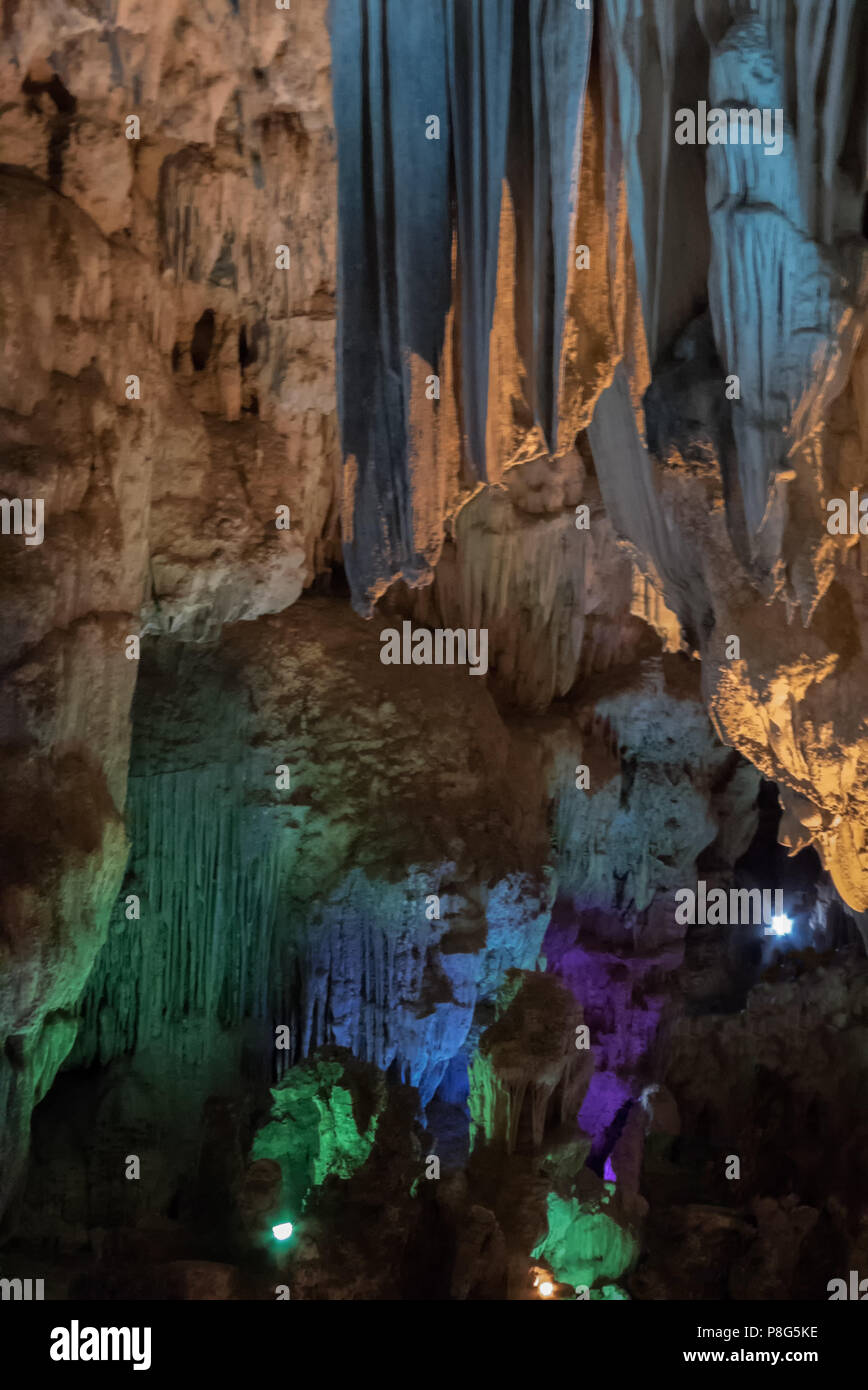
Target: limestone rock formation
x=325, y=319
x=527, y=1063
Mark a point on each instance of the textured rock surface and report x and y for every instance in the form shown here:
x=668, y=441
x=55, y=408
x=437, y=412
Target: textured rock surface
x=727, y=499
x=780, y=1089
x=155, y=258
x=320, y=910
x=527, y=1061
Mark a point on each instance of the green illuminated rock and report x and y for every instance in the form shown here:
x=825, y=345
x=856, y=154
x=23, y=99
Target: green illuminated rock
x=324, y=1122
x=584, y=1244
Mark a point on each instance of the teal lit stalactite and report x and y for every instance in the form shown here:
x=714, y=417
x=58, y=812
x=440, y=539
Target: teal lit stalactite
x=208, y=867
x=209, y=860
x=394, y=261
x=551, y=52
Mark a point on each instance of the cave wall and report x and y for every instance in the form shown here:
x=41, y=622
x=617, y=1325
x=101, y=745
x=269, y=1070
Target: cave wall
x=151, y=257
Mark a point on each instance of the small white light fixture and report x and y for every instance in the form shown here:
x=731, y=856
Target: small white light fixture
x=781, y=926
x=282, y=1231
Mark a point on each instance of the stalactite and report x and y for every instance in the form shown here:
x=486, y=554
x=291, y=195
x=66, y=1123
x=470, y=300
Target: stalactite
x=769, y=254
x=527, y=1054
x=500, y=109
x=551, y=48
x=209, y=895
x=775, y=298
x=394, y=263
x=479, y=48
